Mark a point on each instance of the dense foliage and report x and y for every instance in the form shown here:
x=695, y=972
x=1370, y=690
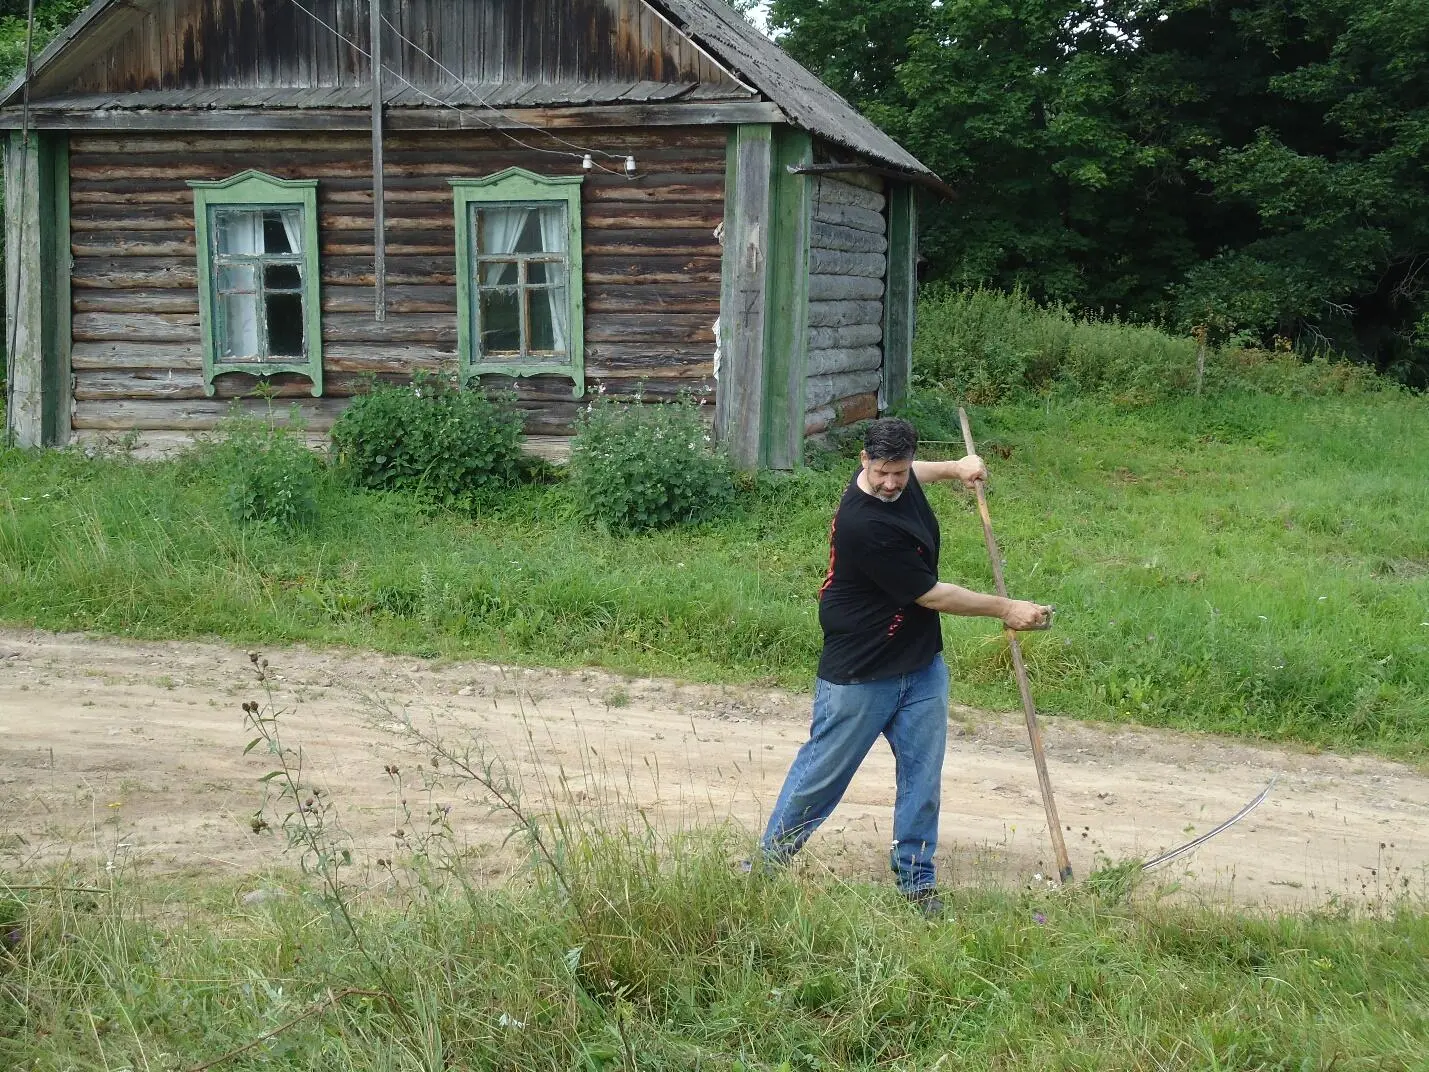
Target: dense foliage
x=431, y=438
x=1254, y=166
x=648, y=466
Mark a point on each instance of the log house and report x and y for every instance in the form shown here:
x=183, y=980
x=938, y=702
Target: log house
x=555, y=197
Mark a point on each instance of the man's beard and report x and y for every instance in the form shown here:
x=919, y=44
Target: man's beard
x=885, y=497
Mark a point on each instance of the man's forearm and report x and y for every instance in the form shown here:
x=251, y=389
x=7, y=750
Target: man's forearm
x=952, y=599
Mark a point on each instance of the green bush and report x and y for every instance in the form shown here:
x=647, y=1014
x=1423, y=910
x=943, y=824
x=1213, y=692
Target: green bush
x=429, y=437
x=648, y=465
x=267, y=472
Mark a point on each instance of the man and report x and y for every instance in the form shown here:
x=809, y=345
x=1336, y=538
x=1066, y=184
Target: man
x=882, y=669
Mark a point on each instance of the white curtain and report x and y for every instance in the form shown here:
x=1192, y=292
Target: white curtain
x=553, y=240
x=293, y=228
x=244, y=235
x=499, y=231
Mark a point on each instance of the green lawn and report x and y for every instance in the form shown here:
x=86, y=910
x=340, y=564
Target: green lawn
x=1247, y=564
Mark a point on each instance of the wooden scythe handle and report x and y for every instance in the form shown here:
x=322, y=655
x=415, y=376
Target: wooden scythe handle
x=1064, y=865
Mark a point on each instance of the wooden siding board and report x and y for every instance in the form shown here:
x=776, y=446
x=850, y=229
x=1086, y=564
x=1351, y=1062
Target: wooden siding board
x=787, y=317
x=651, y=297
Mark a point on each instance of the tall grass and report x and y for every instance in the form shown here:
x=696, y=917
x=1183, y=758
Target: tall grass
x=680, y=963
x=986, y=346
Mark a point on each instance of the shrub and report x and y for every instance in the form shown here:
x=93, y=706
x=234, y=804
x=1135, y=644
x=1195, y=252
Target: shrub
x=648, y=465
x=428, y=437
x=267, y=471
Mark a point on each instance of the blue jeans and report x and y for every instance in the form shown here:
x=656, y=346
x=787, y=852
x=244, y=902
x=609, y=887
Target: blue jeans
x=912, y=712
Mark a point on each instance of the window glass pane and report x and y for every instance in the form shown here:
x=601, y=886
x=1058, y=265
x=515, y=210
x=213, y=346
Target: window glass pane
x=499, y=273
x=500, y=321
x=285, y=325
x=530, y=240
x=238, y=325
x=237, y=277
x=548, y=317
x=546, y=272
x=498, y=229
x=283, y=231
x=282, y=277
x=238, y=230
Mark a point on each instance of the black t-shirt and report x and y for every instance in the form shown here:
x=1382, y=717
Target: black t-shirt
x=882, y=557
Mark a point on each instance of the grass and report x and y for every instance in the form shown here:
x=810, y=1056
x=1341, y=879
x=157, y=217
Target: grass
x=661, y=957
x=1245, y=563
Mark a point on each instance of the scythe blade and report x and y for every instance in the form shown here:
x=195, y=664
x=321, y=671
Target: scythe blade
x=1195, y=843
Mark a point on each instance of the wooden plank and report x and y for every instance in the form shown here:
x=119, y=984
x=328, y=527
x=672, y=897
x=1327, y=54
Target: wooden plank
x=134, y=301
x=650, y=327
x=24, y=292
x=787, y=317
x=136, y=327
x=431, y=328
x=122, y=415
x=831, y=191
x=249, y=120
x=838, y=314
x=821, y=390
x=400, y=300
x=120, y=354
x=829, y=287
x=902, y=295
x=59, y=342
x=836, y=262
x=833, y=236
x=739, y=415
x=849, y=359
x=188, y=384
x=851, y=216
x=640, y=298
x=379, y=230
x=842, y=338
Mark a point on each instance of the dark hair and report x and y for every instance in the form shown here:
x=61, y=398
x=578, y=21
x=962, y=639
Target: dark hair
x=891, y=439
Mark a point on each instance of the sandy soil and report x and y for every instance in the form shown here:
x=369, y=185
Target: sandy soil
x=132, y=753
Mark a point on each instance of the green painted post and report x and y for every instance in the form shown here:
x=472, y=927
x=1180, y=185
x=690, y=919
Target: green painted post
x=900, y=294
x=786, y=315
x=55, y=296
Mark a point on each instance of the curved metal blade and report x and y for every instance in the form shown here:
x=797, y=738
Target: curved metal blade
x=1195, y=843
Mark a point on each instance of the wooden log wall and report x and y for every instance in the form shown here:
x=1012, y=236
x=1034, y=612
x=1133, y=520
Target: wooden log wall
x=652, y=269
x=848, y=264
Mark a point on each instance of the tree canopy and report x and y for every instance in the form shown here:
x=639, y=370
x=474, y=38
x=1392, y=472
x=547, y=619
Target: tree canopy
x=1254, y=166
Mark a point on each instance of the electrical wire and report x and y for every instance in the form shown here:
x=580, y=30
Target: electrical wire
x=481, y=101
x=447, y=104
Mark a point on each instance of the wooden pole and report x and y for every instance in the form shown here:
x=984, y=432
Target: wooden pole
x=1059, y=846
x=379, y=221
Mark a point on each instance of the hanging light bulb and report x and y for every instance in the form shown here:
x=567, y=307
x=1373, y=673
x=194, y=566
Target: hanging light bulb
x=630, y=165
x=587, y=164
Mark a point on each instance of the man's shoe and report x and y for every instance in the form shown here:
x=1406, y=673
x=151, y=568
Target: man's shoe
x=926, y=901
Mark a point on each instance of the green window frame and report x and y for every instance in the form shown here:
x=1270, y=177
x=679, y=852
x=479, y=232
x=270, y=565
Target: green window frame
x=499, y=288
x=252, y=290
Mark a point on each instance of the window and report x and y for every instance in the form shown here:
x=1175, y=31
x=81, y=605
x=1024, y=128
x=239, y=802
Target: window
x=258, y=277
x=519, y=276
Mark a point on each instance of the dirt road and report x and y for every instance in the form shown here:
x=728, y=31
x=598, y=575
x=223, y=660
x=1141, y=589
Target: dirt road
x=134, y=752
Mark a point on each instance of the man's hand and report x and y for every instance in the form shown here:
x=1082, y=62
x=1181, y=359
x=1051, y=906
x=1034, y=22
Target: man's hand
x=1020, y=614
x=970, y=469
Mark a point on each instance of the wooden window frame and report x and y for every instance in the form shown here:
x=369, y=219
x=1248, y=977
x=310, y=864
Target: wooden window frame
x=518, y=186
x=257, y=191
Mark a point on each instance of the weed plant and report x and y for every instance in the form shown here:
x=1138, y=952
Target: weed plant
x=267, y=472
x=444, y=444
x=648, y=466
